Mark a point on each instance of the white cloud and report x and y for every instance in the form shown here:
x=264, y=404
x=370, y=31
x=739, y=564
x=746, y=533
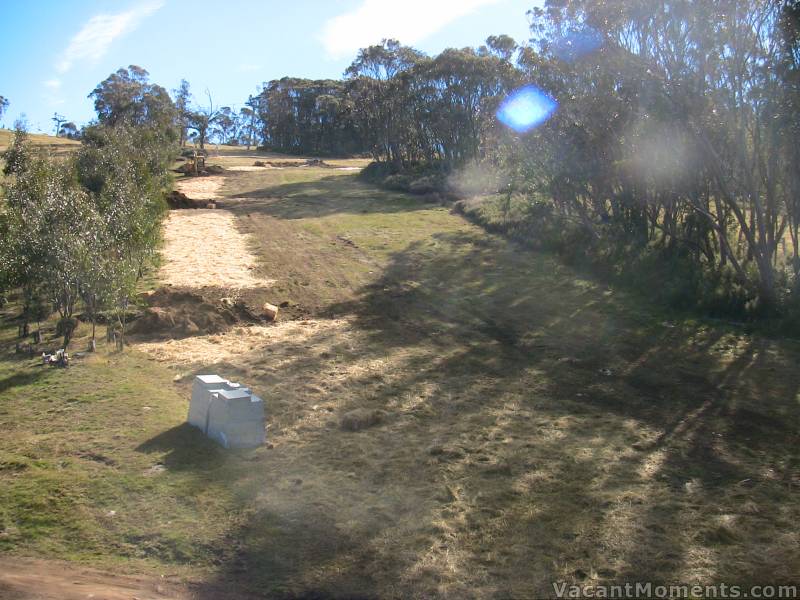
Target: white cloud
x=52, y=84
x=93, y=40
x=409, y=22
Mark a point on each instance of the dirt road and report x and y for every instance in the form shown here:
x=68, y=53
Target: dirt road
x=31, y=579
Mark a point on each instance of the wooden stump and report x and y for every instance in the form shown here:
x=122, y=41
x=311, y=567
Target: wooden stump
x=270, y=311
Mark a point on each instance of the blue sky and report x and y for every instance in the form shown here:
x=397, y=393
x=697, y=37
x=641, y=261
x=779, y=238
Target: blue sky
x=54, y=52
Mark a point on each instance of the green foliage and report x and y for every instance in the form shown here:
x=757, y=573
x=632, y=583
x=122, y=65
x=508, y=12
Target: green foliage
x=302, y=116
x=396, y=104
x=50, y=222
x=128, y=98
x=18, y=154
x=85, y=228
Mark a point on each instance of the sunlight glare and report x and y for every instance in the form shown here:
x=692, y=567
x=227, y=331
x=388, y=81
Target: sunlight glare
x=526, y=108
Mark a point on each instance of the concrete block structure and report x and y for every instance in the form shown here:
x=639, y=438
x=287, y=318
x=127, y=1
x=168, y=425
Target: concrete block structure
x=227, y=412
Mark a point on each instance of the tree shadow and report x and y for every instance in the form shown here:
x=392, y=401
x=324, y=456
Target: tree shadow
x=541, y=428
x=334, y=194
x=21, y=379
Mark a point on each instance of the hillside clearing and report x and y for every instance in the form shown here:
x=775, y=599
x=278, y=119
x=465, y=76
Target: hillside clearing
x=536, y=425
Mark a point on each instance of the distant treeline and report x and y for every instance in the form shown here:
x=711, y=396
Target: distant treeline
x=395, y=104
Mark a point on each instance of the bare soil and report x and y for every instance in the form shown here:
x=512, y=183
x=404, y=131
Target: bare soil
x=32, y=579
x=206, y=248
x=201, y=188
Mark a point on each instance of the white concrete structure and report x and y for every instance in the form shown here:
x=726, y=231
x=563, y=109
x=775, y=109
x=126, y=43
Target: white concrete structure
x=227, y=412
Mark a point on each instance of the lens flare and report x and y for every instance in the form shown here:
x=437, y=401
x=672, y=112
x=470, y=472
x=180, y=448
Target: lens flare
x=526, y=108
x=577, y=44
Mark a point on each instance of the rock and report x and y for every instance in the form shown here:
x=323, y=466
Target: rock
x=270, y=311
x=361, y=418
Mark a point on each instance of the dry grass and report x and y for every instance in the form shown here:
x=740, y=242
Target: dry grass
x=52, y=143
x=539, y=427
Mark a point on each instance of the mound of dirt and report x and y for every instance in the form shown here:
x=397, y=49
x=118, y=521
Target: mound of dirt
x=188, y=169
x=316, y=162
x=281, y=164
x=178, y=313
x=178, y=200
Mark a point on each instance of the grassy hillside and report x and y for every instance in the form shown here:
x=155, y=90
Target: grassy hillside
x=55, y=144
x=535, y=425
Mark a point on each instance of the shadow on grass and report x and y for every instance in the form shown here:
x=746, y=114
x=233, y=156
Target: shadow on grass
x=21, y=379
x=323, y=197
x=543, y=429
x=186, y=448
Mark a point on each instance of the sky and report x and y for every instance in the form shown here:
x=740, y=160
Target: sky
x=54, y=52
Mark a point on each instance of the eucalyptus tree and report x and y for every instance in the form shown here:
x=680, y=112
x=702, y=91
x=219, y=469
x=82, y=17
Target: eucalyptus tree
x=50, y=221
x=127, y=97
x=306, y=116
x=379, y=83
x=58, y=120
x=183, y=98
x=226, y=125
x=674, y=126
x=247, y=118
x=69, y=130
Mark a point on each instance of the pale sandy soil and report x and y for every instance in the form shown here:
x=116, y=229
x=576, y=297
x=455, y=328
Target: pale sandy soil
x=201, y=188
x=204, y=247
x=248, y=168
x=254, y=168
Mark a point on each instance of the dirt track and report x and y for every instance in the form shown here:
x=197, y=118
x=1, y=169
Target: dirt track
x=205, y=248
x=31, y=579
